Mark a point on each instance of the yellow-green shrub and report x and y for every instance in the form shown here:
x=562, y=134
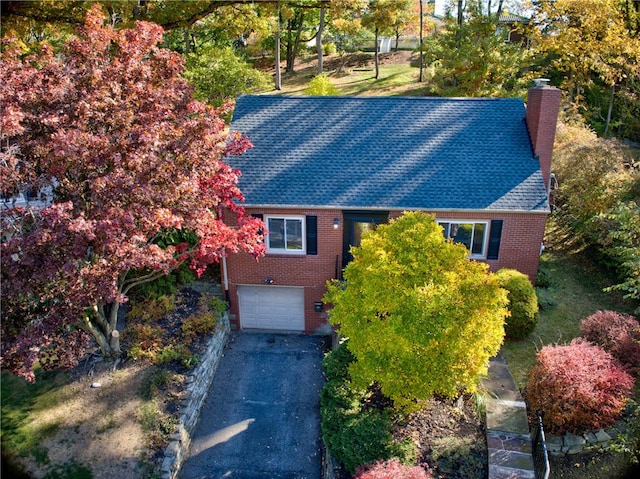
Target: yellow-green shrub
x=421, y=318
x=321, y=86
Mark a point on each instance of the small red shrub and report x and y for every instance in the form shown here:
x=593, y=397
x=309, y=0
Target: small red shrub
x=579, y=386
x=617, y=333
x=391, y=469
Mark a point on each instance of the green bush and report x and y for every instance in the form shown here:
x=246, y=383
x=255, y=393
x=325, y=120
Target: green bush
x=329, y=49
x=166, y=285
x=174, y=352
x=355, y=435
x=628, y=441
x=321, y=86
x=523, y=303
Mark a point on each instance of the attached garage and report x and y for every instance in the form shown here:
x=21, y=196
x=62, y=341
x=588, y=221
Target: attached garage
x=271, y=307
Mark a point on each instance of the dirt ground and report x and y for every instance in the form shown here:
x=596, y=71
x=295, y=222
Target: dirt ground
x=95, y=422
x=450, y=437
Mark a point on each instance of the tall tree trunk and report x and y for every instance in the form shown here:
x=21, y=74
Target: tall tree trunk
x=294, y=32
x=187, y=41
x=319, y=39
x=278, y=76
x=376, y=55
x=421, y=42
x=499, y=12
x=460, y=19
x=610, y=109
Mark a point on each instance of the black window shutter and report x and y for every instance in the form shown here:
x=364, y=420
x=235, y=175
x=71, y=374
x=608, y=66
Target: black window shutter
x=312, y=235
x=494, y=239
x=261, y=217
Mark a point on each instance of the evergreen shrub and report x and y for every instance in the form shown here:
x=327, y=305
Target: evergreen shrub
x=354, y=434
x=523, y=303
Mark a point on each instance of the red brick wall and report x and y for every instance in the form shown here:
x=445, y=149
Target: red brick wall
x=310, y=271
x=522, y=235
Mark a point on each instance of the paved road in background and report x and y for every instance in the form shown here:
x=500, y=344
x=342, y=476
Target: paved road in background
x=261, y=418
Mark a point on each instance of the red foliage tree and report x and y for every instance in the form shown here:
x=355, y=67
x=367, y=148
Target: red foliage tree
x=111, y=128
x=579, y=386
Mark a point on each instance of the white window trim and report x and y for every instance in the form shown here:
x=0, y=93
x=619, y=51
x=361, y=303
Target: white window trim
x=296, y=252
x=486, y=224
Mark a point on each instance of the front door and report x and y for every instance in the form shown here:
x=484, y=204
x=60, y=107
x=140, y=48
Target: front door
x=356, y=223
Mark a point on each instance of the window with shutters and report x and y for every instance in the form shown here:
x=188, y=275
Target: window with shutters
x=286, y=234
x=472, y=234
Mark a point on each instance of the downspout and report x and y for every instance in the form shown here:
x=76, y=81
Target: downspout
x=225, y=278
x=225, y=275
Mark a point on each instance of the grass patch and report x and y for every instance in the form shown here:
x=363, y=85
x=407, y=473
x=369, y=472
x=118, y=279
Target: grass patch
x=20, y=436
x=69, y=470
x=156, y=425
x=574, y=290
x=393, y=80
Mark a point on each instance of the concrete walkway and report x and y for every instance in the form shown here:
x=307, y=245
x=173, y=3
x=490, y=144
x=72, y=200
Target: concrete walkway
x=508, y=438
x=261, y=419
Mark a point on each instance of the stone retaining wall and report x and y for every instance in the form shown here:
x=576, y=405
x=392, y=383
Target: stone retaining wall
x=329, y=464
x=576, y=444
x=197, y=385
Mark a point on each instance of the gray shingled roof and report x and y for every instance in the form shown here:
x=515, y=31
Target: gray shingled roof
x=389, y=153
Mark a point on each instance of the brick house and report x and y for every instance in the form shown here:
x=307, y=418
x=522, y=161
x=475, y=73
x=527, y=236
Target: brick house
x=325, y=169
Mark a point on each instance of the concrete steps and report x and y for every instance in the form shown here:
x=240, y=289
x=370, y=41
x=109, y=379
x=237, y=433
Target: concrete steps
x=508, y=438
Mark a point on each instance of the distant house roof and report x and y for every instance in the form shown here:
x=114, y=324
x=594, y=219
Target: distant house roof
x=391, y=153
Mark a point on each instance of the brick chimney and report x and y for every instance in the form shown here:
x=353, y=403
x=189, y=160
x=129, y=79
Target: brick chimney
x=543, y=105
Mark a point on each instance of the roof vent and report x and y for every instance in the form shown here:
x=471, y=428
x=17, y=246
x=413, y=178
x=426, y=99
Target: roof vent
x=541, y=82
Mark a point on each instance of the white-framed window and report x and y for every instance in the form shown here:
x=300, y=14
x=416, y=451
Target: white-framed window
x=472, y=234
x=286, y=234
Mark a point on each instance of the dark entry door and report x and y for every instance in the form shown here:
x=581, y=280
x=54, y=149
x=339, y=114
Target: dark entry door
x=356, y=223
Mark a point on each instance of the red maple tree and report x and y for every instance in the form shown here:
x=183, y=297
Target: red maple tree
x=110, y=128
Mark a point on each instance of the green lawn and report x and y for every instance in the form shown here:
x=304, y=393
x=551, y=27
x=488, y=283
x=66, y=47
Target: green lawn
x=20, y=436
x=398, y=79
x=575, y=291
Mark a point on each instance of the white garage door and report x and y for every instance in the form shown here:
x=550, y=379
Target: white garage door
x=271, y=307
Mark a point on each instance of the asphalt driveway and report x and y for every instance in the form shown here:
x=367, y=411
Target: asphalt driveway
x=261, y=418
